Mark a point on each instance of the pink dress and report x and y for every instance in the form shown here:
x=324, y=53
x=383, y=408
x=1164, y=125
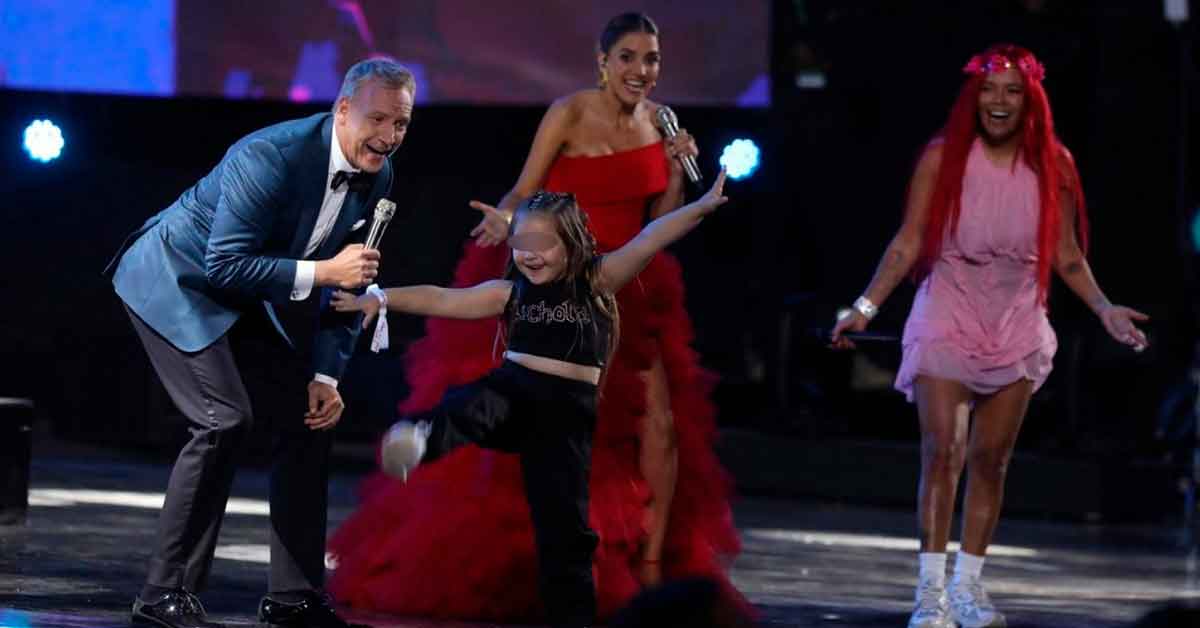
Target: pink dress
x=976, y=318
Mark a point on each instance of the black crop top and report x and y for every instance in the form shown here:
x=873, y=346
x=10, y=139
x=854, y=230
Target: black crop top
x=547, y=322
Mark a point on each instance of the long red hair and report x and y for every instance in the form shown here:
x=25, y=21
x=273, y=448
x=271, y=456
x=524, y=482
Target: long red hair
x=1038, y=146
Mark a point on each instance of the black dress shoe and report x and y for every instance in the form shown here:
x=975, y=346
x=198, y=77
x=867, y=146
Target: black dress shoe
x=176, y=609
x=314, y=611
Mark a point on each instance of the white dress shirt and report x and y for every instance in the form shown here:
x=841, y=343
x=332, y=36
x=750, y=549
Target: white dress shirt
x=331, y=206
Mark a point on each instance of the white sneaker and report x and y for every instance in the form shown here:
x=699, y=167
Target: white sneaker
x=932, y=609
x=970, y=605
x=402, y=448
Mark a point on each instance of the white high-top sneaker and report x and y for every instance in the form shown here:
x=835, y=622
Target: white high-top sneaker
x=932, y=609
x=402, y=448
x=970, y=605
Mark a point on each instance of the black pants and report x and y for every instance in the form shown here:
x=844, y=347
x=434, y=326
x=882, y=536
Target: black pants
x=549, y=421
x=207, y=388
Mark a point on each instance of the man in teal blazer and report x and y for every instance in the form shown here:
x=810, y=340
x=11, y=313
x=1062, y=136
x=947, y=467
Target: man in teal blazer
x=276, y=218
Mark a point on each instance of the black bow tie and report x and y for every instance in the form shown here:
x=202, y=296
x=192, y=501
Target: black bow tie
x=358, y=181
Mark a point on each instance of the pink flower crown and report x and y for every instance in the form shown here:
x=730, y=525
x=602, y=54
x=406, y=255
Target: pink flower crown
x=1030, y=67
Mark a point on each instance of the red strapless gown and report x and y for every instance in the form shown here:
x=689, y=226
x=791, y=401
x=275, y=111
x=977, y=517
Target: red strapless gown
x=456, y=540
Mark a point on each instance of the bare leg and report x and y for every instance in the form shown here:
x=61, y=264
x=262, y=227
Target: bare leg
x=659, y=461
x=998, y=419
x=942, y=406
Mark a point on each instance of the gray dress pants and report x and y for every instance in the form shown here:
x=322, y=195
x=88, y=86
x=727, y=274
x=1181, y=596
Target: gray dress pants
x=208, y=388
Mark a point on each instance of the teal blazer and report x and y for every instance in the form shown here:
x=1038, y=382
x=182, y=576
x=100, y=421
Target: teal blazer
x=231, y=241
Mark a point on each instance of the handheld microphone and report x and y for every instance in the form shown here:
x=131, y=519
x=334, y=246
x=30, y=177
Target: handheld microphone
x=823, y=334
x=669, y=124
x=384, y=210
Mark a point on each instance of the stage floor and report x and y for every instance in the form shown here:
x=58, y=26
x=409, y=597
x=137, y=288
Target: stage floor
x=80, y=558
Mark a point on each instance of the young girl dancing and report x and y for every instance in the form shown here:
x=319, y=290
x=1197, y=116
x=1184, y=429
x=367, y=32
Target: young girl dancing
x=560, y=325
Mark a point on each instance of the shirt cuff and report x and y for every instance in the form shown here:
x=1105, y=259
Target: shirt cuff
x=325, y=379
x=306, y=272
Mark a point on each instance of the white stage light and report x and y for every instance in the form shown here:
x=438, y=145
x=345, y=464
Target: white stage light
x=43, y=141
x=740, y=158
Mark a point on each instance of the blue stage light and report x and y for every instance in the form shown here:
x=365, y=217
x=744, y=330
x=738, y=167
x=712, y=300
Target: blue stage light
x=1196, y=230
x=43, y=141
x=740, y=158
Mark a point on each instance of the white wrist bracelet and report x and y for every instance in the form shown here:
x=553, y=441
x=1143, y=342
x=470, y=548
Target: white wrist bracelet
x=376, y=292
x=379, y=340
x=865, y=307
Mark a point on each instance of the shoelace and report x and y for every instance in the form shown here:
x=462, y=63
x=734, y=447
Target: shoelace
x=977, y=594
x=972, y=601
x=191, y=604
x=929, y=599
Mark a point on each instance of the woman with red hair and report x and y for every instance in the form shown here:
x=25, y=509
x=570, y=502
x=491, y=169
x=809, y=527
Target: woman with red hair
x=994, y=206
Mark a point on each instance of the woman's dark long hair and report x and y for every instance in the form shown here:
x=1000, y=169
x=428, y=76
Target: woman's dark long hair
x=624, y=24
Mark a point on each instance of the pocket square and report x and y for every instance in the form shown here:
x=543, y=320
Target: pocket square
x=358, y=225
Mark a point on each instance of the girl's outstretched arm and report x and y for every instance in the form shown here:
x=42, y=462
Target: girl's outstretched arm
x=622, y=265
x=480, y=301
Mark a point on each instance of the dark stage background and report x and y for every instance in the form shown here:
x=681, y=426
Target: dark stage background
x=857, y=88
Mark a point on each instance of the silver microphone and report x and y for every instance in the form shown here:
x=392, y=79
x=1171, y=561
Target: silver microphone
x=669, y=125
x=384, y=210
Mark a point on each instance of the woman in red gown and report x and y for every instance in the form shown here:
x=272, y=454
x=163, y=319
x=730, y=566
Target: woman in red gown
x=456, y=539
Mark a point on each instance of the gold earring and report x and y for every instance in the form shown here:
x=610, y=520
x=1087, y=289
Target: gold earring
x=603, y=78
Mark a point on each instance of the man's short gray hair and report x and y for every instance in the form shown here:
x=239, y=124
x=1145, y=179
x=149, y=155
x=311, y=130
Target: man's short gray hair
x=383, y=69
